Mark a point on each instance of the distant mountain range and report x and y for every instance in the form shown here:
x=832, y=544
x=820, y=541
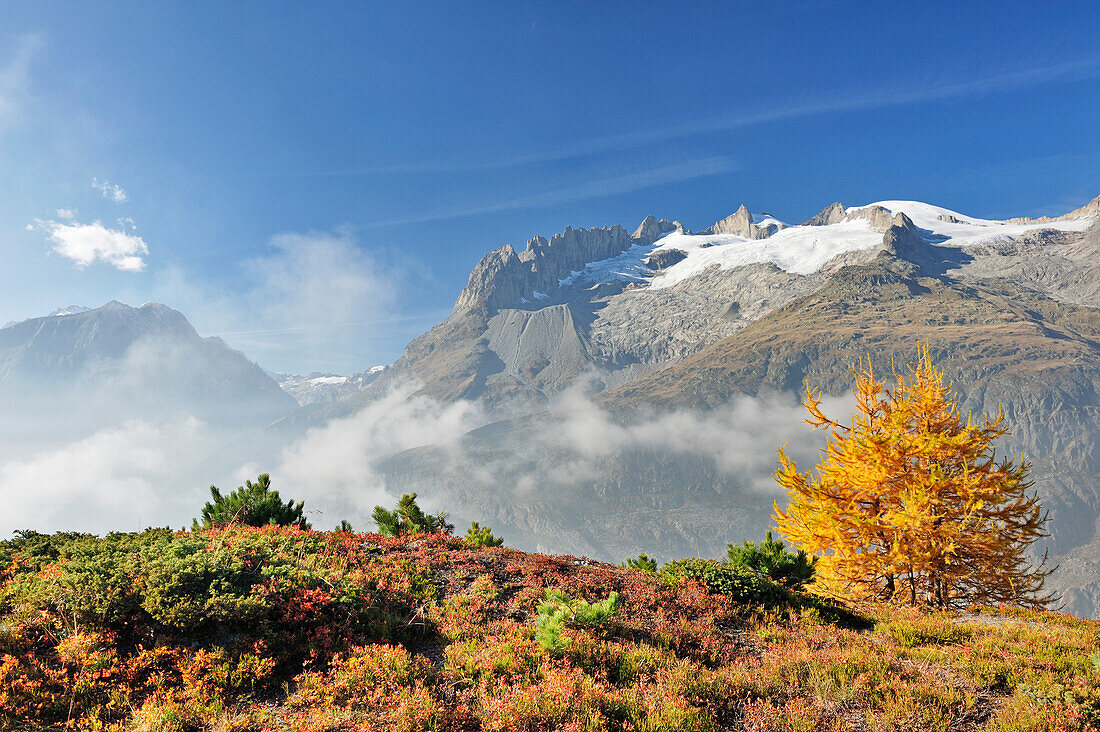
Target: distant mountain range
x=631, y=387
x=323, y=388
x=125, y=362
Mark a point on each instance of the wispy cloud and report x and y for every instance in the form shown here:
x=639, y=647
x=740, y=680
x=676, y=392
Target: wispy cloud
x=15, y=80
x=111, y=191
x=853, y=101
x=638, y=180
x=87, y=244
x=313, y=297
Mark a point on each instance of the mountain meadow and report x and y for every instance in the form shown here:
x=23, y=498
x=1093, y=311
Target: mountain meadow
x=248, y=628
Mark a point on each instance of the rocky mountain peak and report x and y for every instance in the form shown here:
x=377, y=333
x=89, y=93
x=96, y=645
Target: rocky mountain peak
x=1088, y=211
x=742, y=223
x=652, y=228
x=879, y=218
x=498, y=278
x=831, y=214
x=505, y=279
x=1092, y=208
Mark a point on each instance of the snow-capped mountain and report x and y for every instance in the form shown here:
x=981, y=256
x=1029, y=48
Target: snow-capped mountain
x=317, y=387
x=623, y=305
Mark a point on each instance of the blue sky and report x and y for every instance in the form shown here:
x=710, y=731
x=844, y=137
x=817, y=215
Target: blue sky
x=315, y=182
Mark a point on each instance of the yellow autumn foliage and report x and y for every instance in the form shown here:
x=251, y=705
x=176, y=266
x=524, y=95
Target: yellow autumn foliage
x=909, y=504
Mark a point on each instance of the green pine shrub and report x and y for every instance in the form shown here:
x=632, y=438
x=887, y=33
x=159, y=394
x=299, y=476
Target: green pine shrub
x=252, y=504
x=480, y=536
x=558, y=611
x=409, y=518
x=642, y=562
x=793, y=570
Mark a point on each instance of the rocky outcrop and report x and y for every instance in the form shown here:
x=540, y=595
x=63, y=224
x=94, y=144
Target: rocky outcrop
x=740, y=223
x=902, y=239
x=652, y=228
x=498, y=280
x=878, y=217
x=831, y=214
x=665, y=258
x=504, y=278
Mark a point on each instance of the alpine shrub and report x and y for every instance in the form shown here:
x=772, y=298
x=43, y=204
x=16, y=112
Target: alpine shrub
x=642, y=562
x=772, y=558
x=479, y=536
x=557, y=611
x=409, y=518
x=252, y=504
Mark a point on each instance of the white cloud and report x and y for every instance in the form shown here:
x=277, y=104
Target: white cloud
x=66, y=213
x=310, y=301
x=316, y=278
x=110, y=191
x=332, y=466
x=90, y=243
x=111, y=480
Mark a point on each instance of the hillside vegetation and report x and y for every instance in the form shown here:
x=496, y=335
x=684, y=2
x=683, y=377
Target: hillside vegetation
x=280, y=628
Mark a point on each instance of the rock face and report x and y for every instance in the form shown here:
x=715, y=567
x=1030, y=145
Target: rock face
x=542, y=349
x=498, y=280
x=665, y=258
x=652, y=228
x=741, y=223
x=831, y=214
x=1063, y=266
x=878, y=217
x=506, y=279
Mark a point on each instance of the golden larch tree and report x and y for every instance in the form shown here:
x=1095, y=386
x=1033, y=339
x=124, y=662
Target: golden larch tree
x=909, y=504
